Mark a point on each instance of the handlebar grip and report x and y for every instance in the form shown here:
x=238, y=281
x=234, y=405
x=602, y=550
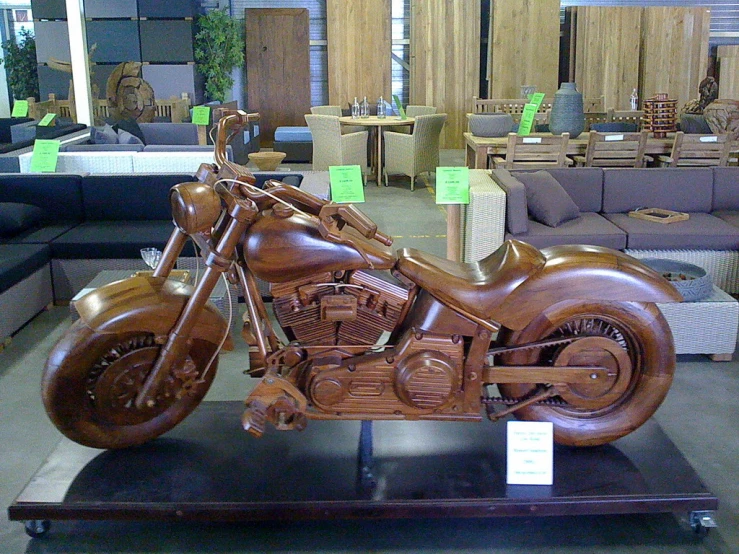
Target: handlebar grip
x=387, y=240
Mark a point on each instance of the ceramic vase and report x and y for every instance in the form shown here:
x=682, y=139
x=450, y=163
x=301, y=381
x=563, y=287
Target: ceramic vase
x=567, y=111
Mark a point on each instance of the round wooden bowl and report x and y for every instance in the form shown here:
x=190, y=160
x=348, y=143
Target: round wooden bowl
x=267, y=161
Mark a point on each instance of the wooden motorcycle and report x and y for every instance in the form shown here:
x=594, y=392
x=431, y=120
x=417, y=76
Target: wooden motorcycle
x=568, y=334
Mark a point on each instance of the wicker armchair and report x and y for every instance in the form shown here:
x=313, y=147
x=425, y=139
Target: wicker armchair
x=330, y=147
x=336, y=110
x=415, y=153
x=411, y=111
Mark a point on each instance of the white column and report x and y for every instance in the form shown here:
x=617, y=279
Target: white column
x=80, y=62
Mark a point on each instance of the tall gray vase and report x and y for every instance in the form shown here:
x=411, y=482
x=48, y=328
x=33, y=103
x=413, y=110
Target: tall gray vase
x=567, y=111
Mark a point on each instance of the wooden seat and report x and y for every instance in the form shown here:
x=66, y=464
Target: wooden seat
x=615, y=150
x=534, y=152
x=698, y=150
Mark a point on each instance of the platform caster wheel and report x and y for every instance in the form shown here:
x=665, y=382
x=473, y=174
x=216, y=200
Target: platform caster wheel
x=37, y=527
x=702, y=522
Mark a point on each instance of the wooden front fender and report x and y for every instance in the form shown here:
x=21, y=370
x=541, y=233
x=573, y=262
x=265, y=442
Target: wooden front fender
x=148, y=304
x=578, y=272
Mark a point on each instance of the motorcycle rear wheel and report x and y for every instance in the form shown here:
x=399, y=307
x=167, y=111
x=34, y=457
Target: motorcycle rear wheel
x=643, y=376
x=91, y=380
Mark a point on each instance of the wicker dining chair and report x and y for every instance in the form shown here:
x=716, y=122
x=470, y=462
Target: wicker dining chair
x=336, y=110
x=411, y=111
x=415, y=153
x=330, y=147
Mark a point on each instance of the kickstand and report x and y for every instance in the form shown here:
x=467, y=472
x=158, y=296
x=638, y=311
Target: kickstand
x=366, y=482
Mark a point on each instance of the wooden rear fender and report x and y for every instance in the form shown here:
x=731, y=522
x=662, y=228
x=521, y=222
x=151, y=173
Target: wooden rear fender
x=147, y=304
x=579, y=272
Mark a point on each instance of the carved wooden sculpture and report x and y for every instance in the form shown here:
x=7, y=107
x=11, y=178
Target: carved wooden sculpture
x=570, y=334
x=129, y=96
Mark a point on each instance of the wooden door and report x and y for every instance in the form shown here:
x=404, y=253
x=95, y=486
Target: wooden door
x=277, y=68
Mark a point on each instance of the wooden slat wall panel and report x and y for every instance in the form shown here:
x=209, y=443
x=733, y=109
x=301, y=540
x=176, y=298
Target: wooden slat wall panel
x=607, y=53
x=674, y=53
x=445, y=61
x=728, y=85
x=359, y=50
x=524, y=39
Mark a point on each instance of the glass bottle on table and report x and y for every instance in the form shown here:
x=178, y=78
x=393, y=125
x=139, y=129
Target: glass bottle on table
x=355, y=109
x=381, y=108
x=364, y=108
x=634, y=100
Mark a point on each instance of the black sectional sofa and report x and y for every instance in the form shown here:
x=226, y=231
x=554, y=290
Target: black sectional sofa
x=57, y=231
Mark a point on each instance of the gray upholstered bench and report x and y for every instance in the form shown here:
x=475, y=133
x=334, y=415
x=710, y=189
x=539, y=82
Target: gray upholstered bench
x=295, y=142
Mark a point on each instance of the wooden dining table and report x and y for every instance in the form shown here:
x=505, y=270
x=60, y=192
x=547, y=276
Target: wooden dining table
x=376, y=123
x=479, y=148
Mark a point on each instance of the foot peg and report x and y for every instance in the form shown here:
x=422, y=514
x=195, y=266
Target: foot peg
x=277, y=401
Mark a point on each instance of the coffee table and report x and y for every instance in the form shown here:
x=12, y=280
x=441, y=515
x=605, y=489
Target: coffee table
x=377, y=123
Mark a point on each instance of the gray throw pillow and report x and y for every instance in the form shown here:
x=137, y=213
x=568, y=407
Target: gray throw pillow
x=547, y=201
x=103, y=135
x=16, y=217
x=124, y=137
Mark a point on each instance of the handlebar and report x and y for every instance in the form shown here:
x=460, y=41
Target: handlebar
x=332, y=217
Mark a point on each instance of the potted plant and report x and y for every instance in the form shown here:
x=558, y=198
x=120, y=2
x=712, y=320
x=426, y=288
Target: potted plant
x=21, y=66
x=218, y=49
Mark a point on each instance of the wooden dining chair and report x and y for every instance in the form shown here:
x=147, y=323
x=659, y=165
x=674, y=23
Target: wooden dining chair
x=615, y=150
x=625, y=116
x=534, y=152
x=698, y=150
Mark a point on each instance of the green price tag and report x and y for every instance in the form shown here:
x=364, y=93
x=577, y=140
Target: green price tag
x=45, y=154
x=527, y=119
x=452, y=185
x=201, y=115
x=537, y=98
x=398, y=105
x=46, y=120
x=20, y=109
x=346, y=184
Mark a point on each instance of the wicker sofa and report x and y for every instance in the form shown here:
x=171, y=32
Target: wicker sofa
x=58, y=231
x=603, y=197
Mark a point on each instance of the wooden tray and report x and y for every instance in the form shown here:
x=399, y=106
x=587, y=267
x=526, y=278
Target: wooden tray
x=659, y=215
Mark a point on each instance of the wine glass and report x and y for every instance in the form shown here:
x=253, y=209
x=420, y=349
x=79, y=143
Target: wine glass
x=151, y=256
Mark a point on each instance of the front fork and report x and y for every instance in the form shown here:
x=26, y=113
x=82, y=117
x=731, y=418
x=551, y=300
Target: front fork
x=218, y=261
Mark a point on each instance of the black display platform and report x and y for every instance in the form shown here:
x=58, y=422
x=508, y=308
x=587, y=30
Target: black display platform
x=208, y=468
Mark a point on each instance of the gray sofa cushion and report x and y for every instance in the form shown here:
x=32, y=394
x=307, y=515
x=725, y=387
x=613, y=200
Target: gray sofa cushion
x=18, y=261
x=547, y=201
x=103, y=135
x=169, y=133
x=702, y=231
x=102, y=148
x=679, y=189
x=16, y=217
x=589, y=228
x=517, y=213
x=583, y=184
x=725, y=188
x=730, y=216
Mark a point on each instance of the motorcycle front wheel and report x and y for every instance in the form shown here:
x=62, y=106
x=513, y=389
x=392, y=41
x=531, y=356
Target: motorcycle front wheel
x=91, y=381
x=632, y=340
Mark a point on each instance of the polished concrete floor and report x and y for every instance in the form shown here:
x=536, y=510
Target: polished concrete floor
x=700, y=415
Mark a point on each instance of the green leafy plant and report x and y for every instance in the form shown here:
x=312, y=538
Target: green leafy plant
x=218, y=49
x=20, y=61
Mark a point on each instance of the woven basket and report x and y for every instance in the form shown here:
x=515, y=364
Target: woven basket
x=691, y=281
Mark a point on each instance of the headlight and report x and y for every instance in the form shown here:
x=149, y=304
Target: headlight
x=195, y=207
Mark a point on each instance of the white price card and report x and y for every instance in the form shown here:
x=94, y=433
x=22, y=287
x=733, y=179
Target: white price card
x=532, y=140
x=609, y=138
x=712, y=138
x=530, y=453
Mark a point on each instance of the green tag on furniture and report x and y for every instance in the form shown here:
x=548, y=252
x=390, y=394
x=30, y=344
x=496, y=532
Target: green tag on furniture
x=537, y=98
x=398, y=105
x=452, y=185
x=20, y=109
x=346, y=184
x=527, y=119
x=45, y=155
x=46, y=120
x=201, y=115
